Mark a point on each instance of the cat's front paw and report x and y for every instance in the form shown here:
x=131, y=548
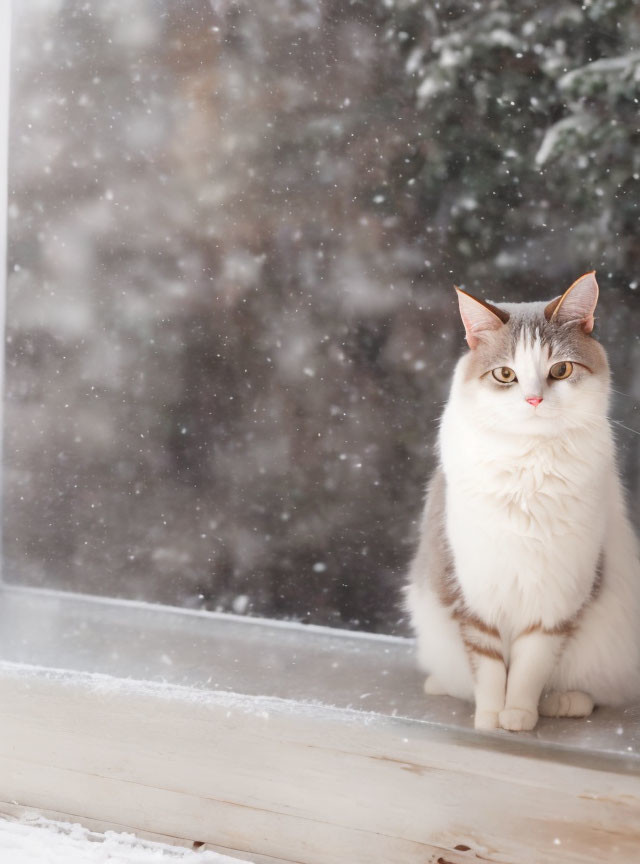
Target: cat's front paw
x=518, y=719
x=485, y=720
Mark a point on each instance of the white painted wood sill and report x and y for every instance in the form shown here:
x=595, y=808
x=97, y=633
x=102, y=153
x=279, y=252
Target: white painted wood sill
x=284, y=743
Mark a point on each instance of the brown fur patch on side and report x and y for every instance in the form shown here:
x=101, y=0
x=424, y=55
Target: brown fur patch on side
x=596, y=588
x=448, y=589
x=471, y=620
x=564, y=628
x=442, y=575
x=483, y=650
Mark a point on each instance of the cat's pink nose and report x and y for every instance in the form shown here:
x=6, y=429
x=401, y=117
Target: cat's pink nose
x=534, y=400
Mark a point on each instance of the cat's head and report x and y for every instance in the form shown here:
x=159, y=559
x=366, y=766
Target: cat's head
x=534, y=368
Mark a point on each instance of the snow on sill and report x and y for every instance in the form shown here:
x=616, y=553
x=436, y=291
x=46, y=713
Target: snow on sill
x=36, y=840
x=109, y=686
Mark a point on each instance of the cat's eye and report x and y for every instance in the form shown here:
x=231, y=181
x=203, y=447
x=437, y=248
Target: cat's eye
x=561, y=370
x=504, y=375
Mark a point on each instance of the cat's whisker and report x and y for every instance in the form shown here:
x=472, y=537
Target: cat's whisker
x=622, y=426
x=626, y=395
x=597, y=418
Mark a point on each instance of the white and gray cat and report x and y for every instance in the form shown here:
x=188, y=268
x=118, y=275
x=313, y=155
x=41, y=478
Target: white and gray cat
x=525, y=589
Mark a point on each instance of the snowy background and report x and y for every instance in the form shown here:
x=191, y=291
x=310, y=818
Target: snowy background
x=233, y=232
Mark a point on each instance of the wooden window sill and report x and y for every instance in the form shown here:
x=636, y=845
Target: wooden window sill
x=281, y=742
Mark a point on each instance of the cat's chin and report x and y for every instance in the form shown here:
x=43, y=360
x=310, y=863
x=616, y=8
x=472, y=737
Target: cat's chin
x=534, y=427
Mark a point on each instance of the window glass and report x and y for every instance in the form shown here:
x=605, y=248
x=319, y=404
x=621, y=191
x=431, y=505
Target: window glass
x=233, y=233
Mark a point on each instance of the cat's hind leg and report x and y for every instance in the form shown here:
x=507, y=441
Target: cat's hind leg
x=569, y=703
x=433, y=687
x=441, y=651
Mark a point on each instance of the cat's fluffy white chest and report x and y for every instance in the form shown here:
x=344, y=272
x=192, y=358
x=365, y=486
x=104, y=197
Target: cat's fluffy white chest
x=524, y=521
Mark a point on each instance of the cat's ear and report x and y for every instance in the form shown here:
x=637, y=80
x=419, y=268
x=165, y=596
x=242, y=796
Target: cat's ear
x=478, y=316
x=577, y=305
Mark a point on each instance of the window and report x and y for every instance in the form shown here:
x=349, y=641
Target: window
x=233, y=232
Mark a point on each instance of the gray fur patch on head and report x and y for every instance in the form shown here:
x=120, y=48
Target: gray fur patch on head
x=527, y=321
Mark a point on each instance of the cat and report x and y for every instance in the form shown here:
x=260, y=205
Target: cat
x=525, y=589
